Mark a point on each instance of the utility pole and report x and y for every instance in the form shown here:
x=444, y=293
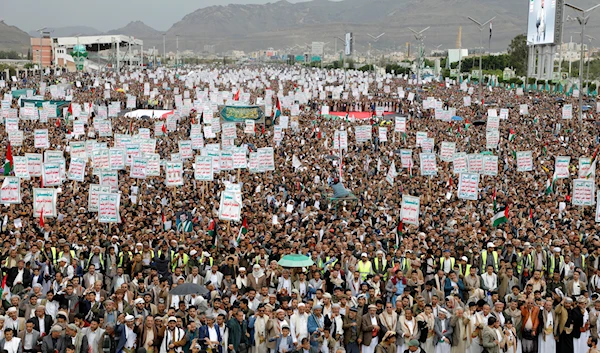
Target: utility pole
x=177, y=55
x=481, y=25
x=41, y=31
x=587, y=75
x=164, y=58
x=582, y=19
x=420, y=37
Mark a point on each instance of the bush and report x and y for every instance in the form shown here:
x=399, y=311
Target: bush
x=531, y=81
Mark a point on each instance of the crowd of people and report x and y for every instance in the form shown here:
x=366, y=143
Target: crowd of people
x=453, y=283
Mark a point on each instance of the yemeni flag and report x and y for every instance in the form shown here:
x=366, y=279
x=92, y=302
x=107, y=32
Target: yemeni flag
x=551, y=184
x=243, y=230
x=592, y=169
x=500, y=217
x=494, y=199
x=9, y=163
x=42, y=219
x=70, y=110
x=511, y=135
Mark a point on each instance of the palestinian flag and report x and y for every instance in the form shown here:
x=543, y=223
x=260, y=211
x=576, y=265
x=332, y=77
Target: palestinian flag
x=278, y=110
x=494, y=199
x=9, y=163
x=467, y=124
x=500, y=217
x=592, y=170
x=237, y=96
x=511, y=135
x=243, y=230
x=347, y=118
x=530, y=213
x=164, y=220
x=4, y=288
x=551, y=184
x=42, y=219
x=211, y=228
x=399, y=233
x=164, y=128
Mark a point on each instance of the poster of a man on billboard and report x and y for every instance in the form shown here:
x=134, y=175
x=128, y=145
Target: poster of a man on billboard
x=541, y=21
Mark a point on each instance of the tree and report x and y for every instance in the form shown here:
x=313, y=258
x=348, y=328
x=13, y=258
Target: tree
x=517, y=52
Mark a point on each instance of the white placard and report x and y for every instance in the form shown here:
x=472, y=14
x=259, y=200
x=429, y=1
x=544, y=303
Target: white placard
x=460, y=163
x=468, y=186
x=108, y=208
x=44, y=200
x=10, y=193
x=583, y=192
x=409, y=212
x=524, y=161
x=428, y=164
x=490, y=165
x=561, y=166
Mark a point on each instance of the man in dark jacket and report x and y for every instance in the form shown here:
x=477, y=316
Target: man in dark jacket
x=238, y=333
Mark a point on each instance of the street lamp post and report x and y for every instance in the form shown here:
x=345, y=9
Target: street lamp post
x=587, y=74
x=41, y=31
x=420, y=37
x=582, y=19
x=480, y=25
x=375, y=39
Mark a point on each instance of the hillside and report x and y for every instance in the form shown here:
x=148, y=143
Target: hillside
x=12, y=38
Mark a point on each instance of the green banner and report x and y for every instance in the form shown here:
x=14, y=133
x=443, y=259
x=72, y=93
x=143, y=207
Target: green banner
x=240, y=113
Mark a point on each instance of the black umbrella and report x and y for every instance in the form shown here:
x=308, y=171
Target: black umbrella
x=188, y=288
x=478, y=122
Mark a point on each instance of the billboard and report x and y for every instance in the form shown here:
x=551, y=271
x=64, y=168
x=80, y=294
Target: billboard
x=317, y=48
x=349, y=44
x=544, y=21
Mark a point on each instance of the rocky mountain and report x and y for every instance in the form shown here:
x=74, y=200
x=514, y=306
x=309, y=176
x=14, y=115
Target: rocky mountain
x=68, y=31
x=283, y=24
x=12, y=38
x=137, y=29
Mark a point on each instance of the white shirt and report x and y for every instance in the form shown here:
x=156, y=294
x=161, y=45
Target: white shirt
x=576, y=288
x=19, y=277
x=28, y=343
x=42, y=325
x=212, y=334
x=130, y=337
x=12, y=346
x=299, y=327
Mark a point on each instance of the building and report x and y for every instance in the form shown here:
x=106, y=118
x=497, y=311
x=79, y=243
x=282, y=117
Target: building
x=103, y=51
x=41, y=50
x=570, y=51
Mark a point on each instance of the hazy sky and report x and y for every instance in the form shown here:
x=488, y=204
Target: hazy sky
x=104, y=14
